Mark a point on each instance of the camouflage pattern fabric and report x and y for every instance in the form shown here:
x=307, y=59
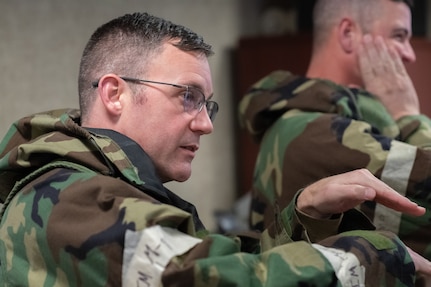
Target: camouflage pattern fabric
x=309, y=129
x=71, y=196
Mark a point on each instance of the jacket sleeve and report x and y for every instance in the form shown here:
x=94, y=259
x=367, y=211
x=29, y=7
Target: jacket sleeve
x=77, y=229
x=367, y=257
x=301, y=226
x=378, y=260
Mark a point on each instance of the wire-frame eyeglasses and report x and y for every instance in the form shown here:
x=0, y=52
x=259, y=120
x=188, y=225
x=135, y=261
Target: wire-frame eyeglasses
x=194, y=99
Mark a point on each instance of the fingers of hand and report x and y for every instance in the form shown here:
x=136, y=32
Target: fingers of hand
x=342, y=192
x=397, y=62
x=360, y=185
x=381, y=58
x=392, y=199
x=364, y=59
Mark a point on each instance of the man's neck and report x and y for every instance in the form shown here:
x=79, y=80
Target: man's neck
x=333, y=71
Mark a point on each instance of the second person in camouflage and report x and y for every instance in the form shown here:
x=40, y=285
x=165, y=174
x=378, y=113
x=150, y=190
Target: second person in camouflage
x=355, y=108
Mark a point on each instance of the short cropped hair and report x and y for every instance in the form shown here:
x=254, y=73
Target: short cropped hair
x=327, y=13
x=125, y=46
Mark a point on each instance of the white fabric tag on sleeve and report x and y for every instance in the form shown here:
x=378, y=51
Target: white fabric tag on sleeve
x=346, y=265
x=148, y=251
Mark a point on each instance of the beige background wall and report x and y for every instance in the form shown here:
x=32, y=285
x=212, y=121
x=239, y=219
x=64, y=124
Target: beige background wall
x=40, y=46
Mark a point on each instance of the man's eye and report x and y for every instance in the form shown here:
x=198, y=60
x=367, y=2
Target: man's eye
x=191, y=97
x=188, y=101
x=400, y=37
x=188, y=96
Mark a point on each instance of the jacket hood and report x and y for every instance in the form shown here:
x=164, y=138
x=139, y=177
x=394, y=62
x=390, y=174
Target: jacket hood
x=34, y=141
x=281, y=91
x=277, y=93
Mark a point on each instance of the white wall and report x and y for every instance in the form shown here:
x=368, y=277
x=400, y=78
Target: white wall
x=41, y=43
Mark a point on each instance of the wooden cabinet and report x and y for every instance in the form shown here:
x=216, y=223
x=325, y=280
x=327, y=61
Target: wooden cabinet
x=256, y=57
x=420, y=73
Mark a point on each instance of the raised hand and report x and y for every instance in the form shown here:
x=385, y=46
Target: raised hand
x=339, y=193
x=385, y=76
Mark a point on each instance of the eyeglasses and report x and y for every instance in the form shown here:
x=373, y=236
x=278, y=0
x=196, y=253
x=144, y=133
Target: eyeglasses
x=194, y=99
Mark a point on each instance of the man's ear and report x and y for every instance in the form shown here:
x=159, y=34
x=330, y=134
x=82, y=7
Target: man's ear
x=111, y=88
x=347, y=34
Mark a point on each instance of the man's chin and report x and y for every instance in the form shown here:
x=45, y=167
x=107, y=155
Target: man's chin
x=180, y=176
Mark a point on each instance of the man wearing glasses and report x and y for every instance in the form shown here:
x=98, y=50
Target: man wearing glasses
x=83, y=194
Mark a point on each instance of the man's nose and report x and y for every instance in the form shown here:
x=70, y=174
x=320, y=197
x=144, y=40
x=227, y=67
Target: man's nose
x=408, y=55
x=202, y=122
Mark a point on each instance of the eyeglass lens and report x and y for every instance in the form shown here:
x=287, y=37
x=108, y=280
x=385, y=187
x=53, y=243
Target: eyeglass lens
x=195, y=99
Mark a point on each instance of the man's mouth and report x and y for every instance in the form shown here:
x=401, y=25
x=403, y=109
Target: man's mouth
x=192, y=148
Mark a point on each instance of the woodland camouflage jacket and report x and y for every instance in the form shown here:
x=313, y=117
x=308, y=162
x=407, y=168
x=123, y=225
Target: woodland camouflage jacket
x=79, y=212
x=312, y=128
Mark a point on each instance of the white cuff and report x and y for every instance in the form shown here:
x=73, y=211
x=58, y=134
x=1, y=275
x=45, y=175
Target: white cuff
x=346, y=266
